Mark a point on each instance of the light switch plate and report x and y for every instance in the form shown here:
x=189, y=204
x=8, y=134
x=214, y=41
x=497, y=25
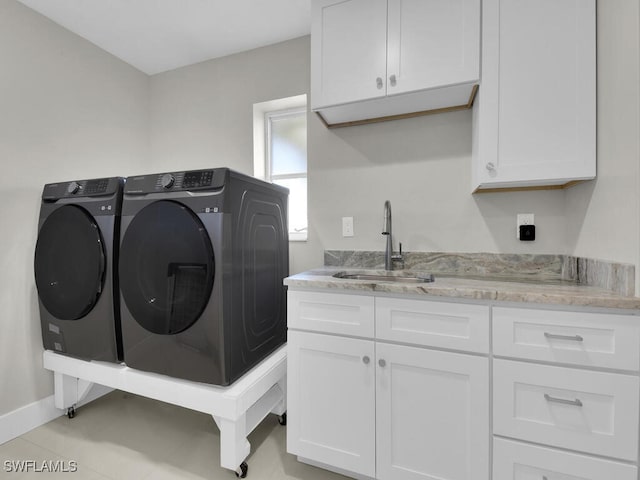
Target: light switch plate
x=347, y=226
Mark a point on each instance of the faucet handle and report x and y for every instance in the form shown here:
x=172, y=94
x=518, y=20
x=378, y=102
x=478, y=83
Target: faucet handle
x=398, y=256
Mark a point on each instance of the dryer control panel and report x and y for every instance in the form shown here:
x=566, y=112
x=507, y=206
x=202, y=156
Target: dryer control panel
x=97, y=187
x=212, y=179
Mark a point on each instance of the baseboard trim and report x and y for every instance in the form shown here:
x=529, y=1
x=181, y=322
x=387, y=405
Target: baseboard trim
x=333, y=469
x=28, y=417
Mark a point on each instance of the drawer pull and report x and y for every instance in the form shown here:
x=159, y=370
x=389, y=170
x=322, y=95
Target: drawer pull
x=576, y=402
x=575, y=338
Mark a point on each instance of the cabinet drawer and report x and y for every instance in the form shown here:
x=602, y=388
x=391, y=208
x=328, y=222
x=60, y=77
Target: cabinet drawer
x=438, y=324
x=589, y=339
x=331, y=313
x=518, y=461
x=593, y=412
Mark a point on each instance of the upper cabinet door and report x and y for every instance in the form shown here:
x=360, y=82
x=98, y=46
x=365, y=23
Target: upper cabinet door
x=535, y=121
x=349, y=51
x=432, y=43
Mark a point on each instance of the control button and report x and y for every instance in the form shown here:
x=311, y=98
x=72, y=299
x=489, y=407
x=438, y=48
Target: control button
x=73, y=188
x=102, y=208
x=108, y=207
x=167, y=180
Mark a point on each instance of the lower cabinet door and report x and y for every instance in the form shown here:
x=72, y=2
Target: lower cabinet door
x=521, y=461
x=331, y=400
x=432, y=412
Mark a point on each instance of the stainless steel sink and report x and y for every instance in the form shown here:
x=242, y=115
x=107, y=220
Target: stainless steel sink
x=379, y=277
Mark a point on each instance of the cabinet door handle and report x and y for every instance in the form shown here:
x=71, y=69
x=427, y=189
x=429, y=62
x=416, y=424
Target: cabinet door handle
x=392, y=80
x=490, y=166
x=382, y=362
x=574, y=338
x=575, y=403
x=366, y=360
x=379, y=82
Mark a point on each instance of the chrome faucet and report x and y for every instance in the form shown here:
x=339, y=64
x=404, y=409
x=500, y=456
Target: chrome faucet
x=389, y=257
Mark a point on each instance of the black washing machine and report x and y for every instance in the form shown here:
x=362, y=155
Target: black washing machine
x=202, y=259
x=75, y=261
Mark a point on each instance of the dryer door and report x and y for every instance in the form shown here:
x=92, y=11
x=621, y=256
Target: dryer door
x=69, y=263
x=166, y=267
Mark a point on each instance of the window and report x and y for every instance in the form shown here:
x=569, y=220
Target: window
x=280, y=154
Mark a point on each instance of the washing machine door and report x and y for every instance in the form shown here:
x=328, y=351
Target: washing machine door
x=166, y=267
x=69, y=263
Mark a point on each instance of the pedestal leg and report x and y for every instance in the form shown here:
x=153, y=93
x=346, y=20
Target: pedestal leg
x=281, y=406
x=65, y=390
x=69, y=391
x=234, y=447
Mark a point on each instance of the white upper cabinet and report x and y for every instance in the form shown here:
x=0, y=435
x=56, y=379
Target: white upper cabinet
x=372, y=59
x=350, y=60
x=535, y=115
x=432, y=43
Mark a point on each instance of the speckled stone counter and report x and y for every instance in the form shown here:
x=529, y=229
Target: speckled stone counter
x=612, y=276
x=550, y=292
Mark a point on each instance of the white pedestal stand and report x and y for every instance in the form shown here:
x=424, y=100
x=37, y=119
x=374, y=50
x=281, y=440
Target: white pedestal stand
x=236, y=409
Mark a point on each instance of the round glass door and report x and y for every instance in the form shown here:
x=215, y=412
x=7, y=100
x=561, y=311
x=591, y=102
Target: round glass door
x=69, y=263
x=166, y=267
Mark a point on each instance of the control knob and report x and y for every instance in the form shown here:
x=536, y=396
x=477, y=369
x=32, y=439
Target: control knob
x=73, y=188
x=167, y=180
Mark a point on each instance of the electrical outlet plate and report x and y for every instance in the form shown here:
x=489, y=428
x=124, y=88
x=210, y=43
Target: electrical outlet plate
x=347, y=226
x=523, y=219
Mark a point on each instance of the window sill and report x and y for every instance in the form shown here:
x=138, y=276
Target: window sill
x=298, y=237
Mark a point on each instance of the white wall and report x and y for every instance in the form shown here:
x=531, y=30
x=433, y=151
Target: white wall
x=423, y=166
x=68, y=110
x=202, y=115
x=603, y=216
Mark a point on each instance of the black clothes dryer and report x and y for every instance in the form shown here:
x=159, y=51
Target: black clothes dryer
x=202, y=260
x=75, y=260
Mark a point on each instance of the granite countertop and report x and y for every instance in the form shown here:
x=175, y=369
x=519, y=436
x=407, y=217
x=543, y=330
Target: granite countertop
x=505, y=289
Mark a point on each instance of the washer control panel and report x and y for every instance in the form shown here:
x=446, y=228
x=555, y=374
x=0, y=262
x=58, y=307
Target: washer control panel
x=193, y=180
x=96, y=187
x=197, y=179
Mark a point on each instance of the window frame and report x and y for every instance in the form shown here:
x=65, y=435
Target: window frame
x=262, y=115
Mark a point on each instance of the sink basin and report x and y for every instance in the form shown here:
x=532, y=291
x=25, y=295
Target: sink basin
x=380, y=277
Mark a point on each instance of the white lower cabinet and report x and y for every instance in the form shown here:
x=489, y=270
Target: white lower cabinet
x=431, y=414
x=399, y=389
x=331, y=400
x=520, y=461
x=385, y=411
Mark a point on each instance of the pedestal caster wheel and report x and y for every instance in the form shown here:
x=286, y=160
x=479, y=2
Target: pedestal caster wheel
x=71, y=412
x=242, y=470
x=282, y=419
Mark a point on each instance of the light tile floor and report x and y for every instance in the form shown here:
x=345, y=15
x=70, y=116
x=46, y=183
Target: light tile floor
x=125, y=437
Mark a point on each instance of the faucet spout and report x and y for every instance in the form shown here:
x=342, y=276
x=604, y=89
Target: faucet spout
x=386, y=230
